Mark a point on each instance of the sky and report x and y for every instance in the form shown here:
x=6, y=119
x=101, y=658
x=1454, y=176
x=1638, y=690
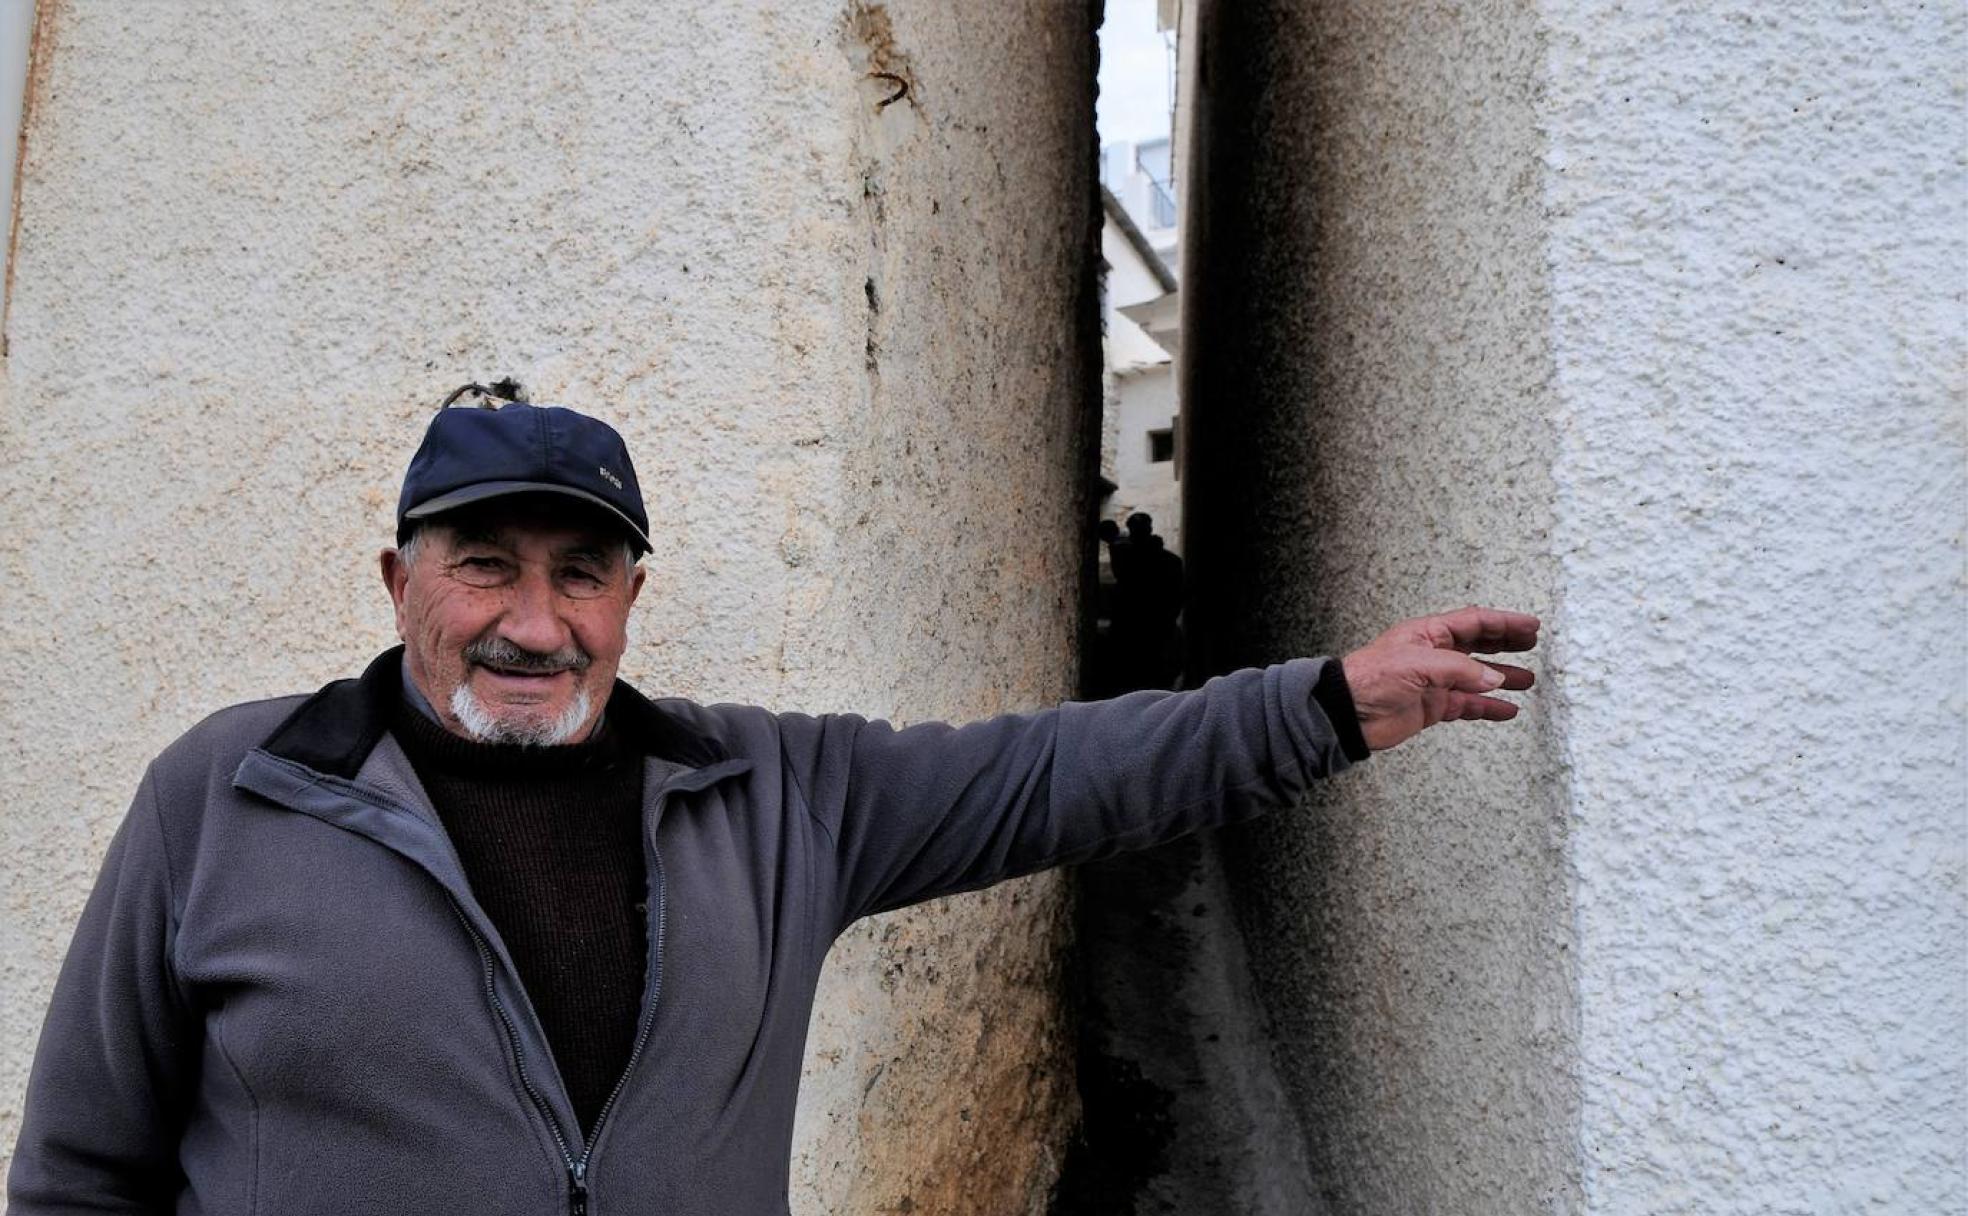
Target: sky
x=1134, y=74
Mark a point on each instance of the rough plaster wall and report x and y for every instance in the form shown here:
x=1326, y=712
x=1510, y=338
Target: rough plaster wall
x=1759, y=249
x=958, y=550
x=257, y=241
x=1367, y=403
x=1649, y=318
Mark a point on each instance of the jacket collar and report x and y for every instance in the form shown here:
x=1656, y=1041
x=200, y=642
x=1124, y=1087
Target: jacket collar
x=334, y=730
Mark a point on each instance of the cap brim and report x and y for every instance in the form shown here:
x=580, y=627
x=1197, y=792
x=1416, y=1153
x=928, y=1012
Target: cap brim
x=465, y=496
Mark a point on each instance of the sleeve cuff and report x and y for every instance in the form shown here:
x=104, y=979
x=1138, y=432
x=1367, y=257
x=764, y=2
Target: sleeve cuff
x=1336, y=699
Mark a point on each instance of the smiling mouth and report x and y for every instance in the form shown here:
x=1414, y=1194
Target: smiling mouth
x=517, y=671
x=521, y=673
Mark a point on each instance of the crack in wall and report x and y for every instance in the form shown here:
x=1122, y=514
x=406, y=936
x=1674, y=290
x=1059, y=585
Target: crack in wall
x=40, y=56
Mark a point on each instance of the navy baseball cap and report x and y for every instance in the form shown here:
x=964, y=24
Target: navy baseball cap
x=471, y=453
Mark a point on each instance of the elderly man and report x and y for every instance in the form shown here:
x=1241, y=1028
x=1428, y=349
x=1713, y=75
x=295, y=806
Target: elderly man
x=487, y=931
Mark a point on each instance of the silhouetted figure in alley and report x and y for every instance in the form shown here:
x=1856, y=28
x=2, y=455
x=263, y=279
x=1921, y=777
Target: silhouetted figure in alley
x=1144, y=642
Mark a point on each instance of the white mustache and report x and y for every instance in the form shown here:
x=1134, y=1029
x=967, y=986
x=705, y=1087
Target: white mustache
x=498, y=652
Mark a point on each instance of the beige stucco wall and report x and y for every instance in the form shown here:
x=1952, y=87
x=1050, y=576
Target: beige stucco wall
x=258, y=241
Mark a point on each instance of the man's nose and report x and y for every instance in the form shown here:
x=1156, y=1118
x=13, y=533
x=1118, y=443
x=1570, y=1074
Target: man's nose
x=532, y=618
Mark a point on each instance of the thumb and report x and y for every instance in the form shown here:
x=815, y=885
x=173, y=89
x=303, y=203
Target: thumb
x=1457, y=672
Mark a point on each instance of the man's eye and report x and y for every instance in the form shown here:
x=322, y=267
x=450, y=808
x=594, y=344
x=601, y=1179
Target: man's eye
x=480, y=569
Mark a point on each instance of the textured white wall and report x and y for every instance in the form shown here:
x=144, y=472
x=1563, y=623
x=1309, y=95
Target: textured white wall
x=258, y=241
x=1758, y=252
x=1649, y=318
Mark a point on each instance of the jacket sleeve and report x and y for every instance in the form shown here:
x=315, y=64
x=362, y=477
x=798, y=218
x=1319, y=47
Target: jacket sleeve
x=100, y=1127
x=932, y=809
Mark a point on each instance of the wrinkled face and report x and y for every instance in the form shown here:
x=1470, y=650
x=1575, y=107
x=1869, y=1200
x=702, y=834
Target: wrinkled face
x=514, y=617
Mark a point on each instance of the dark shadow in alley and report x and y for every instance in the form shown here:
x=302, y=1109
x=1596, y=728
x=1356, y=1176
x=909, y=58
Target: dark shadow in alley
x=1138, y=636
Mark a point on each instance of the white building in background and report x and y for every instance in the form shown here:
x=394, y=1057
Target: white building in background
x=1140, y=318
x=1141, y=177
x=1138, y=426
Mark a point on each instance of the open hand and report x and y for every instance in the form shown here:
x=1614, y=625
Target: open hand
x=1419, y=672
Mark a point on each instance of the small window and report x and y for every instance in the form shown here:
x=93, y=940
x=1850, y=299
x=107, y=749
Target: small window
x=1161, y=446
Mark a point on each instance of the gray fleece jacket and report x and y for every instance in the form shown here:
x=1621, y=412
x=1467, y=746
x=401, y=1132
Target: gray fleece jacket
x=282, y=998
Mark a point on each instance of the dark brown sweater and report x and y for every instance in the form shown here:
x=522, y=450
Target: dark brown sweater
x=551, y=841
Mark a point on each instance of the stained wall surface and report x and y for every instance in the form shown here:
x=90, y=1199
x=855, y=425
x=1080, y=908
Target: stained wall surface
x=842, y=334
x=1366, y=395
x=1648, y=319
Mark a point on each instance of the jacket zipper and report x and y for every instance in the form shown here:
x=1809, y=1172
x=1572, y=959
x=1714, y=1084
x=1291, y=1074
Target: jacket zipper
x=577, y=1187
x=578, y=1199
x=577, y=1167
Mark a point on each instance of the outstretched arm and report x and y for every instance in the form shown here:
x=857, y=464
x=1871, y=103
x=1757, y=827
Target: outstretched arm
x=931, y=809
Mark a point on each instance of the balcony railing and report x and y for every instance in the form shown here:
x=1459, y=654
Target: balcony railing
x=1161, y=201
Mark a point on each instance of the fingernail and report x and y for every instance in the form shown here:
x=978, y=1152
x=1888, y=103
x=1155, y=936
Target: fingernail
x=1492, y=678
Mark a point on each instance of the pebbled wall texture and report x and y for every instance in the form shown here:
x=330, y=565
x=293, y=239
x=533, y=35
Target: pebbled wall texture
x=1649, y=319
x=1758, y=257
x=849, y=339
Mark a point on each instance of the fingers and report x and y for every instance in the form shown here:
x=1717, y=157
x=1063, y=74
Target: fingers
x=1459, y=673
x=1404, y=685
x=1484, y=629
x=1467, y=682
x=1515, y=679
x=1464, y=708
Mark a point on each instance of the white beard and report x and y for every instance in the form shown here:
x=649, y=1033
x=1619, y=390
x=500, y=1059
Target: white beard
x=526, y=732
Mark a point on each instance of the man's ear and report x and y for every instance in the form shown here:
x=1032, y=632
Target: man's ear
x=396, y=580
x=635, y=584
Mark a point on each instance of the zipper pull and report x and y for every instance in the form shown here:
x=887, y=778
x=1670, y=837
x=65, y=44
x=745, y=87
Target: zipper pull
x=577, y=1192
